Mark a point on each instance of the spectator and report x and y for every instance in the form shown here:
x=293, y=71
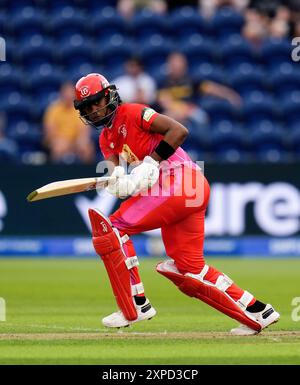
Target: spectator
x=209, y=7
x=296, y=29
x=65, y=136
x=279, y=28
x=180, y=86
x=177, y=82
x=128, y=8
x=177, y=93
x=283, y=13
x=266, y=7
x=256, y=28
x=175, y=96
x=136, y=86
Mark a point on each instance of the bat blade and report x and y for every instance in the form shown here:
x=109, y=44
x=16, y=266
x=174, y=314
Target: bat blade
x=69, y=186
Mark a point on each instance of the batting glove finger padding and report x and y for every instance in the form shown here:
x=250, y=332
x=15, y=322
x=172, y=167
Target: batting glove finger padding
x=140, y=179
x=146, y=174
x=123, y=185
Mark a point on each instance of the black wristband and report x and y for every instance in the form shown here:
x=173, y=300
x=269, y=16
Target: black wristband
x=164, y=150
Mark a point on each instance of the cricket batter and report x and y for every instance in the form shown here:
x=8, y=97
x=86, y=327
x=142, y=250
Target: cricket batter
x=165, y=190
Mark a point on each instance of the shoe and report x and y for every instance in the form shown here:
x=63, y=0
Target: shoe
x=266, y=318
x=117, y=319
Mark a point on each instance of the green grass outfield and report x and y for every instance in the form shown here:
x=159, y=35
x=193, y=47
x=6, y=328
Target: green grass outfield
x=54, y=311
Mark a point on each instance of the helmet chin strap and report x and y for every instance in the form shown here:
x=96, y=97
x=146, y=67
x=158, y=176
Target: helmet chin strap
x=113, y=113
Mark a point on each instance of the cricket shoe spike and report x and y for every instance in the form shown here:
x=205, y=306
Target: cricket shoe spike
x=266, y=318
x=117, y=319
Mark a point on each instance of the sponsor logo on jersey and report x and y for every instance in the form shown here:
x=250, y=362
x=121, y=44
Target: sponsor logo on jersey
x=147, y=113
x=128, y=155
x=122, y=130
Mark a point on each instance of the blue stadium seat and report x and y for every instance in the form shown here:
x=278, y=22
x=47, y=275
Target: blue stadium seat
x=75, y=53
x=147, y=23
x=291, y=109
x=9, y=152
x=293, y=139
x=284, y=81
x=199, y=50
x=10, y=83
x=231, y=154
x=155, y=53
x=9, y=69
x=3, y=4
x=114, y=52
x=114, y=72
x=94, y=5
x=34, y=53
x=82, y=70
x=198, y=142
x=67, y=23
x=227, y=134
x=273, y=155
x=199, y=135
x=28, y=136
x=259, y=109
x=187, y=21
x=253, y=96
x=269, y=142
x=4, y=24
x=293, y=135
x=247, y=81
x=207, y=71
x=44, y=87
x=235, y=51
x=18, y=110
x=14, y=8
x=73, y=40
x=55, y=7
x=27, y=24
x=267, y=134
x=12, y=98
x=227, y=21
x=275, y=52
x=105, y=23
x=11, y=80
x=218, y=110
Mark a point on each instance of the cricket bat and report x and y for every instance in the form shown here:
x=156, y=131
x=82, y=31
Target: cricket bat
x=70, y=186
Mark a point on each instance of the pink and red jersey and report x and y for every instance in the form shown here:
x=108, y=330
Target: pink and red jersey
x=130, y=136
